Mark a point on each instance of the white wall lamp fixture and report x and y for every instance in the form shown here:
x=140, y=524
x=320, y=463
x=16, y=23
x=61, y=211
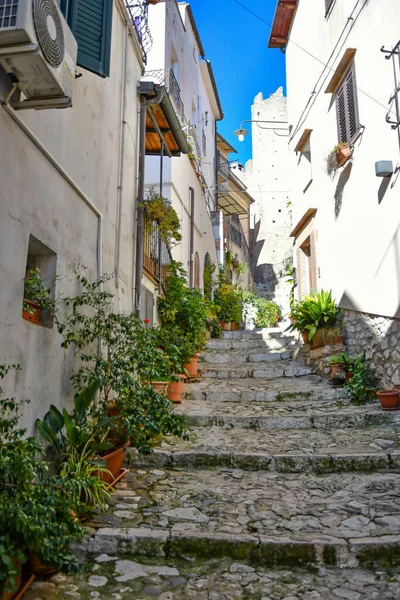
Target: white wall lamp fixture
x=384, y=168
x=241, y=132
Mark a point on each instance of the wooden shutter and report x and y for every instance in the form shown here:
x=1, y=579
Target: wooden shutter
x=91, y=24
x=328, y=4
x=347, y=107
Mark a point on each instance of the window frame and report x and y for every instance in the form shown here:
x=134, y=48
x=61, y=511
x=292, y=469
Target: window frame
x=344, y=89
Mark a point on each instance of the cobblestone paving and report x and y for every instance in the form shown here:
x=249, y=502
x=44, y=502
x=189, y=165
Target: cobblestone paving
x=110, y=578
x=313, y=481
x=235, y=501
x=352, y=440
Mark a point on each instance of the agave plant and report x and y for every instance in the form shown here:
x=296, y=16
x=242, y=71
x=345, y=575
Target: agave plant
x=317, y=311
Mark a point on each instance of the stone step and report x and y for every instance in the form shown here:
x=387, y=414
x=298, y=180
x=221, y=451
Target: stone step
x=234, y=357
x=272, y=416
x=279, y=368
x=255, y=334
x=286, y=390
x=251, y=344
x=266, y=518
x=291, y=450
x=217, y=579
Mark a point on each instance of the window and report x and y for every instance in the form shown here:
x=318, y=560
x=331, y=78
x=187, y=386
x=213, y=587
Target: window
x=91, y=23
x=347, y=107
x=147, y=306
x=43, y=259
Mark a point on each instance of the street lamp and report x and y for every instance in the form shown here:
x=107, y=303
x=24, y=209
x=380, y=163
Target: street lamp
x=241, y=132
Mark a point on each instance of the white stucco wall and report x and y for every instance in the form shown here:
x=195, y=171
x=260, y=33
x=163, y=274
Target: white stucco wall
x=358, y=250
x=171, y=29
x=268, y=180
x=36, y=200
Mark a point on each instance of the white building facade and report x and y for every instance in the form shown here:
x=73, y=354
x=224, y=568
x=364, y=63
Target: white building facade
x=68, y=196
x=342, y=89
x=189, y=181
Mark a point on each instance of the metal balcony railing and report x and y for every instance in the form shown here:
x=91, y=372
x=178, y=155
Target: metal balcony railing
x=193, y=142
x=157, y=255
x=167, y=77
x=223, y=165
x=138, y=12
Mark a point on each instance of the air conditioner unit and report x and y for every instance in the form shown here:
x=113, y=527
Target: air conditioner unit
x=38, y=51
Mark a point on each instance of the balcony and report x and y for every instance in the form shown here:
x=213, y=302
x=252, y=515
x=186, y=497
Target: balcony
x=157, y=255
x=222, y=167
x=138, y=12
x=193, y=142
x=167, y=78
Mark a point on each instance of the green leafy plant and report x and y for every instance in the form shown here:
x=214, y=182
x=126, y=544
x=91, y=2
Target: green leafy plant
x=209, y=271
x=36, y=291
x=127, y=361
x=228, y=298
x=35, y=512
x=315, y=312
x=362, y=386
x=268, y=312
x=159, y=209
x=348, y=363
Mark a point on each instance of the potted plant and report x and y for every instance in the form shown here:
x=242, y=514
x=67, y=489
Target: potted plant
x=338, y=380
x=317, y=315
x=36, y=297
x=389, y=399
x=362, y=386
x=340, y=154
x=228, y=298
x=160, y=210
x=35, y=510
x=342, y=362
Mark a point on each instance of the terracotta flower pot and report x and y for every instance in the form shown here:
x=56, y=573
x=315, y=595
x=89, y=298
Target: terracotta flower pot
x=113, y=464
x=17, y=584
x=160, y=387
x=389, y=399
x=192, y=367
x=222, y=324
x=336, y=368
x=175, y=389
x=228, y=327
x=323, y=337
x=33, y=316
x=304, y=336
x=343, y=154
x=38, y=568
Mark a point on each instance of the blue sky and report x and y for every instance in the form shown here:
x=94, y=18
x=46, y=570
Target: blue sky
x=237, y=45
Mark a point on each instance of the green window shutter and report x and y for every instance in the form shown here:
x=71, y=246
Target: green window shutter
x=91, y=24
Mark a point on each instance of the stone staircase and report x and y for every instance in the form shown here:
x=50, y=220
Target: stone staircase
x=281, y=472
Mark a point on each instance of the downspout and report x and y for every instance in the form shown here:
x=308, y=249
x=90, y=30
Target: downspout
x=191, y=248
x=121, y=167
x=159, y=238
x=29, y=133
x=140, y=210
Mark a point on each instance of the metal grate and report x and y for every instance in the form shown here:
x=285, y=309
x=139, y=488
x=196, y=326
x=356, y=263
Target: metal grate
x=49, y=31
x=8, y=13
x=167, y=77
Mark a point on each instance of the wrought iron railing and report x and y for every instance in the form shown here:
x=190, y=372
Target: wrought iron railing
x=167, y=77
x=193, y=142
x=223, y=165
x=157, y=255
x=138, y=12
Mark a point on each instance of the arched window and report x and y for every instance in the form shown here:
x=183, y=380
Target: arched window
x=196, y=271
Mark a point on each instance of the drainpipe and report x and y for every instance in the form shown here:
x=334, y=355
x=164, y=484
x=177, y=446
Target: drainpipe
x=29, y=133
x=159, y=238
x=191, y=248
x=121, y=167
x=140, y=211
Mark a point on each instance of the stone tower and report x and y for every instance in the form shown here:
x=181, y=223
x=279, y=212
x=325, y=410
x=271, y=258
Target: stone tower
x=268, y=180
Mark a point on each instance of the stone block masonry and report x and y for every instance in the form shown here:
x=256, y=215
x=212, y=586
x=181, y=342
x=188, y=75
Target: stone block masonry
x=379, y=338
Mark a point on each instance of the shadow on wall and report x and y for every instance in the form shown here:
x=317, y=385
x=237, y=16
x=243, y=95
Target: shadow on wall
x=341, y=184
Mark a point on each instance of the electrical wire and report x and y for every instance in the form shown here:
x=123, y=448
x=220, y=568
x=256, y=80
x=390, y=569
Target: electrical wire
x=326, y=66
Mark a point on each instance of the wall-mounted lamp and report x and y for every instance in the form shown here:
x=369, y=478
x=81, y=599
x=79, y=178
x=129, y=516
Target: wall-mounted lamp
x=241, y=133
x=384, y=168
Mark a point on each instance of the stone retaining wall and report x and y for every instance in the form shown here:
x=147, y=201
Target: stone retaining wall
x=319, y=357
x=377, y=337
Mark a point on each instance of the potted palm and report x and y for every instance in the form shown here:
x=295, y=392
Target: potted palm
x=317, y=317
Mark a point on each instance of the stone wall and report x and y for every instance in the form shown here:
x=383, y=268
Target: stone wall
x=377, y=337
x=319, y=358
